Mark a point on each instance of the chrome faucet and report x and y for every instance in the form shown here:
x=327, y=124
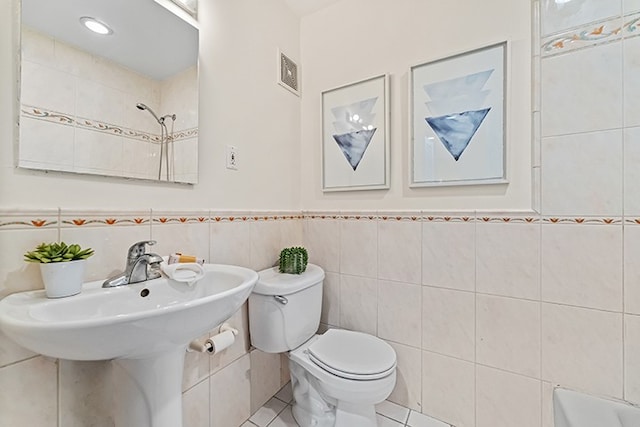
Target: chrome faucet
x=141, y=266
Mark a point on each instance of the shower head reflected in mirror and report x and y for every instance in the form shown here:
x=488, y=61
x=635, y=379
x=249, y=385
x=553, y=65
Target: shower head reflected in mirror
x=144, y=107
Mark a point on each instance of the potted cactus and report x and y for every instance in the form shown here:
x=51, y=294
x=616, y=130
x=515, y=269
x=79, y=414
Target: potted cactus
x=61, y=267
x=293, y=260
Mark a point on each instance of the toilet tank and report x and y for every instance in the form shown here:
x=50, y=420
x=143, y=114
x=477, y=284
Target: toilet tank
x=284, y=309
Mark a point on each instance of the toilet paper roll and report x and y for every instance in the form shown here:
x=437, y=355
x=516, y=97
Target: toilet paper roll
x=219, y=342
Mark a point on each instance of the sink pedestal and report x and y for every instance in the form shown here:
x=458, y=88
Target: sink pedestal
x=148, y=391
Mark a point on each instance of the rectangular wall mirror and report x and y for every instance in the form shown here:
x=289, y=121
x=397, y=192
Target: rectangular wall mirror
x=123, y=103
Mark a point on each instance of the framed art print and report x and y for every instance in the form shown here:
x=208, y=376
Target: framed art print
x=457, y=110
x=355, y=136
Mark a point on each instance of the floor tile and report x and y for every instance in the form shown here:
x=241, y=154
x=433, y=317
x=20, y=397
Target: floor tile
x=285, y=394
x=387, y=422
x=393, y=411
x=268, y=412
x=417, y=419
x=285, y=419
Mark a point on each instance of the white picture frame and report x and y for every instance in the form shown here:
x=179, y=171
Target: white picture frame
x=457, y=111
x=355, y=136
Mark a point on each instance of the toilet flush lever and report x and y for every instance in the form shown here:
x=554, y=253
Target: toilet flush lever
x=282, y=300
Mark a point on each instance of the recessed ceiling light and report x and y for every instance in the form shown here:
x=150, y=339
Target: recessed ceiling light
x=96, y=26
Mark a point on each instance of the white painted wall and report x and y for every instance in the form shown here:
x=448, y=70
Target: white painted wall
x=240, y=104
x=355, y=39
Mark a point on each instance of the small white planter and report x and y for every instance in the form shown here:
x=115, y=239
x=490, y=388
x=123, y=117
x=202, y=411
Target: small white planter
x=63, y=279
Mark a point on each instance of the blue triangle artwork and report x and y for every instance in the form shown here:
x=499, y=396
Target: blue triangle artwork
x=354, y=145
x=354, y=129
x=455, y=131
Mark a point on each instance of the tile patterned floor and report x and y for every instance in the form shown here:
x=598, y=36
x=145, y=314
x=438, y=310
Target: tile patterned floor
x=277, y=413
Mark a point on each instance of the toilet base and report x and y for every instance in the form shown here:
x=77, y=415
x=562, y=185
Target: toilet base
x=346, y=415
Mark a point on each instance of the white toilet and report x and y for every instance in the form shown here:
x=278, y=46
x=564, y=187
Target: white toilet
x=337, y=377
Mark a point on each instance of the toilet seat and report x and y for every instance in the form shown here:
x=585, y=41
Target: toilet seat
x=352, y=355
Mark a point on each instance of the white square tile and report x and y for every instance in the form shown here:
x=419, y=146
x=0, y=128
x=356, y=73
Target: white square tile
x=448, y=255
x=331, y=299
x=86, y=392
x=266, y=244
x=229, y=243
x=97, y=151
x=632, y=269
x=399, y=312
x=508, y=334
x=508, y=260
x=32, y=400
x=195, y=406
x=632, y=170
x=393, y=411
x=566, y=106
x=188, y=239
x=400, y=251
x=49, y=145
x=505, y=399
x=239, y=321
x=265, y=377
x=631, y=6
x=582, y=265
x=230, y=394
x=383, y=421
x=408, y=389
x=559, y=16
x=322, y=240
x=417, y=419
x=631, y=357
x=582, y=349
x=359, y=247
x=285, y=394
x=448, y=322
x=263, y=416
x=48, y=88
x=448, y=389
x=631, y=80
x=10, y=352
x=359, y=304
x=285, y=419
x=569, y=184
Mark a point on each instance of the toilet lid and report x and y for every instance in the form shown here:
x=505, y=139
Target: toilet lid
x=353, y=355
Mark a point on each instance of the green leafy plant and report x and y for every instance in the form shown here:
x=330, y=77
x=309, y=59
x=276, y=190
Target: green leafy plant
x=293, y=260
x=57, y=252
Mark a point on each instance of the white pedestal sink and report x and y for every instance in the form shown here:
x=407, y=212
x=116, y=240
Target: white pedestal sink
x=145, y=327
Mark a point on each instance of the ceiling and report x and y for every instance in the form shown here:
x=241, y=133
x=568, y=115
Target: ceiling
x=146, y=37
x=307, y=7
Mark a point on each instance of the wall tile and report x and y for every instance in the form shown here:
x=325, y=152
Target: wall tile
x=265, y=377
x=184, y=232
x=547, y=404
x=15, y=274
x=45, y=145
x=631, y=269
x=97, y=152
x=46, y=87
x=448, y=255
x=109, y=241
x=505, y=399
x=331, y=299
x=508, y=334
x=266, y=244
x=631, y=74
x=358, y=304
x=399, y=312
x=582, y=265
x=566, y=106
x=195, y=406
x=408, y=389
x=631, y=6
x=230, y=394
x=10, y=352
x=632, y=170
x=196, y=367
x=86, y=393
x=322, y=240
x=400, y=251
x=359, y=247
x=230, y=242
x=631, y=357
x=582, y=349
x=558, y=16
x=239, y=321
x=442, y=378
x=508, y=260
x=569, y=184
x=35, y=382
x=448, y=322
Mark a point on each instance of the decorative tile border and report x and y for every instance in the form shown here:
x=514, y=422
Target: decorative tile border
x=161, y=217
x=592, y=34
x=29, y=219
x=582, y=220
x=37, y=113
x=91, y=218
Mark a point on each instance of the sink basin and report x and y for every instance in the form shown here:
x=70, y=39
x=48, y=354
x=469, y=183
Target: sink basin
x=573, y=409
x=145, y=326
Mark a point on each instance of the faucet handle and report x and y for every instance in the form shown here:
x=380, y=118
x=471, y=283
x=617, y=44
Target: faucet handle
x=138, y=249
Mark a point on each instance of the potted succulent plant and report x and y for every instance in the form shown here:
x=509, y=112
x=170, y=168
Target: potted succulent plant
x=293, y=260
x=61, y=266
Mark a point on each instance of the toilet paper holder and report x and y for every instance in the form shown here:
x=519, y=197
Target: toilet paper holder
x=223, y=339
